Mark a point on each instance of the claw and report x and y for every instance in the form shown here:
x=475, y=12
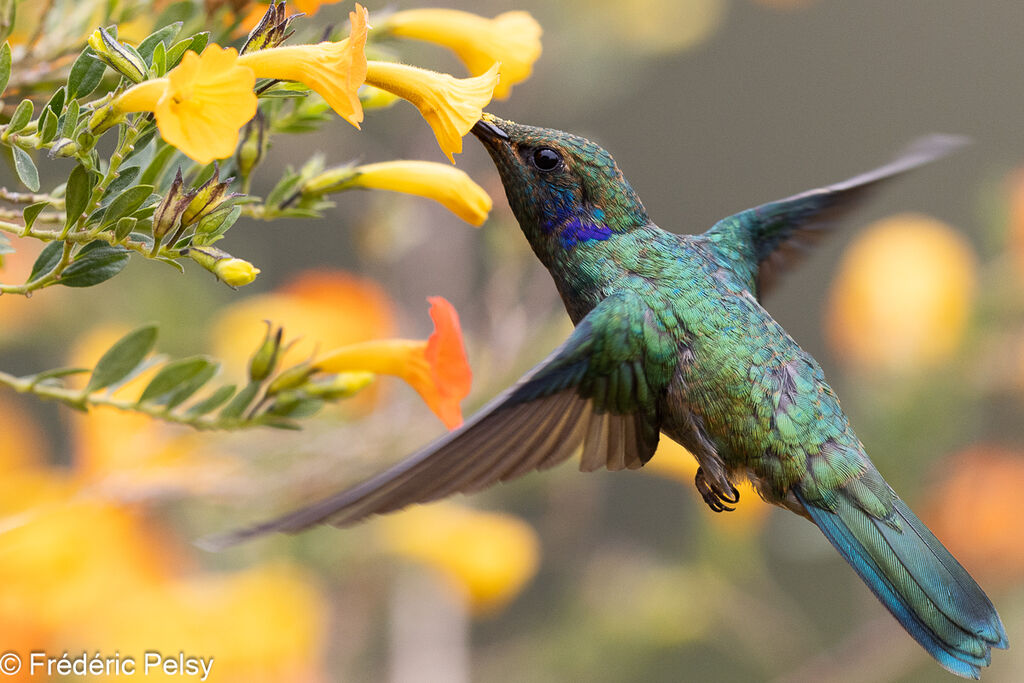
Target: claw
x=714, y=498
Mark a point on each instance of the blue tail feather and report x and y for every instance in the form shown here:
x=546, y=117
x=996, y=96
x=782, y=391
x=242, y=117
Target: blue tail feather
x=918, y=581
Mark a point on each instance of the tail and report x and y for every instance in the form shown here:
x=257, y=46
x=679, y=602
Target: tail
x=916, y=578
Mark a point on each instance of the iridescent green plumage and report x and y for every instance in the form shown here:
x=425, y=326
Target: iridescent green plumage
x=671, y=338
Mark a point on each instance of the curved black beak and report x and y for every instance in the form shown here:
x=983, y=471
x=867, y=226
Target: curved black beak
x=486, y=130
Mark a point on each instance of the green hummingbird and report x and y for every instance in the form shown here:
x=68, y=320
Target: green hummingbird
x=671, y=338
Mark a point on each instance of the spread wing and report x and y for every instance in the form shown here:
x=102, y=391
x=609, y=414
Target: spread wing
x=763, y=241
x=600, y=388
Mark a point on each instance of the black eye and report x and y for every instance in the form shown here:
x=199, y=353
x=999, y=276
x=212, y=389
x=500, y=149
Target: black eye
x=546, y=159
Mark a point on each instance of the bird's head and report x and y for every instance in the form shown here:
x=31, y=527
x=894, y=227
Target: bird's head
x=562, y=187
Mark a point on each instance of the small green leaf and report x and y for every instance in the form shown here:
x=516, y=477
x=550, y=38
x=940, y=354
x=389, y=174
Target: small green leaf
x=241, y=401
x=32, y=211
x=124, y=227
x=159, y=67
x=86, y=74
x=172, y=376
x=56, y=103
x=284, y=188
x=187, y=389
x=25, y=168
x=47, y=259
x=218, y=222
x=69, y=119
x=148, y=45
x=125, y=177
x=48, y=126
x=283, y=93
x=57, y=373
x=5, y=66
x=122, y=358
x=20, y=118
x=95, y=264
x=126, y=203
x=76, y=196
x=212, y=402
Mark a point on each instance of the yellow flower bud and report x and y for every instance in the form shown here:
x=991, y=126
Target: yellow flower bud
x=125, y=60
x=232, y=271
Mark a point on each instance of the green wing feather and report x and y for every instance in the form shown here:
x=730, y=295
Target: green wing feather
x=597, y=389
x=759, y=243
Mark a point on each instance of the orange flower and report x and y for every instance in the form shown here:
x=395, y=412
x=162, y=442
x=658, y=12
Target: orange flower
x=436, y=368
x=976, y=510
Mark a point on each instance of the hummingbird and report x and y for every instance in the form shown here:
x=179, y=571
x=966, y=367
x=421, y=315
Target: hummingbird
x=671, y=338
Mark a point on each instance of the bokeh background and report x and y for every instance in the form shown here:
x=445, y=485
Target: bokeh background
x=710, y=106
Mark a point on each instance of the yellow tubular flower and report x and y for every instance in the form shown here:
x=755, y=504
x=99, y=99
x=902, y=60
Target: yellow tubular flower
x=335, y=70
x=449, y=186
x=200, y=105
x=450, y=105
x=512, y=38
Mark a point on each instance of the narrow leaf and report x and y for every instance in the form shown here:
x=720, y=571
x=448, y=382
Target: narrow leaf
x=241, y=401
x=95, y=265
x=127, y=202
x=212, y=402
x=166, y=34
x=172, y=376
x=123, y=357
x=76, y=196
x=21, y=116
x=5, y=66
x=47, y=259
x=187, y=389
x=32, y=211
x=25, y=168
x=86, y=73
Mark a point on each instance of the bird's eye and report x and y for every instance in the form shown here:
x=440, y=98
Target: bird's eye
x=546, y=159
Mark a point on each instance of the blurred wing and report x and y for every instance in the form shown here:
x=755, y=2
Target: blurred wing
x=595, y=389
x=769, y=238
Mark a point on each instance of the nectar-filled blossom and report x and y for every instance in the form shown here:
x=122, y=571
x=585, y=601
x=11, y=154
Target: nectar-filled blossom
x=335, y=70
x=450, y=105
x=511, y=38
x=200, y=105
x=436, y=368
x=487, y=557
x=902, y=297
x=449, y=186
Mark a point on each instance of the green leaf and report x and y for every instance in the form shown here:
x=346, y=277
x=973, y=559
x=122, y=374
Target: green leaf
x=126, y=203
x=125, y=177
x=172, y=376
x=212, y=402
x=218, y=222
x=5, y=66
x=48, y=126
x=32, y=212
x=69, y=120
x=95, y=264
x=241, y=401
x=25, y=168
x=124, y=227
x=86, y=74
x=284, y=188
x=122, y=358
x=283, y=93
x=159, y=67
x=57, y=373
x=148, y=45
x=77, y=194
x=47, y=259
x=56, y=103
x=21, y=116
x=186, y=389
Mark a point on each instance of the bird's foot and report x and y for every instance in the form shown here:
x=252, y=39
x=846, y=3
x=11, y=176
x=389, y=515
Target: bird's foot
x=715, y=498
